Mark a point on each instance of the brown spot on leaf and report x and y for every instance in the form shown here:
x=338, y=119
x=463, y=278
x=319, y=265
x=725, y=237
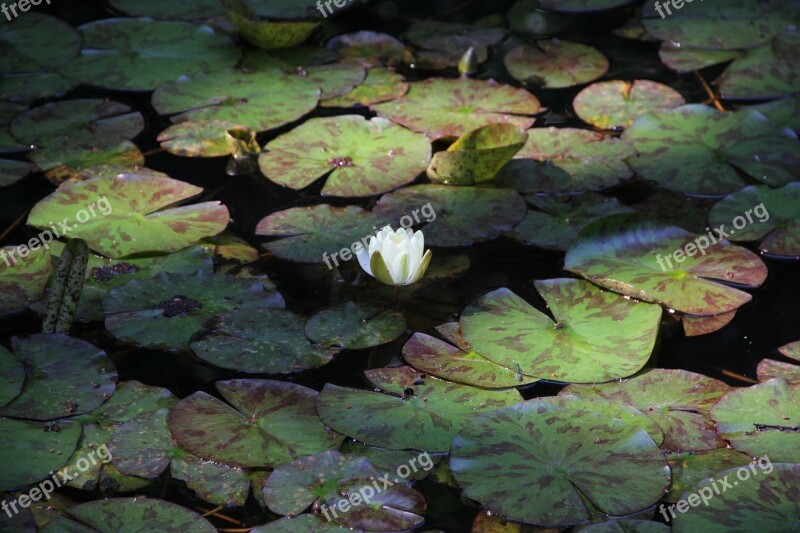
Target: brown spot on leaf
x=178, y=306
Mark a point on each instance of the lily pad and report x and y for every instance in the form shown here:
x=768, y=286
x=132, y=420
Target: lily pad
x=566, y=454
x=418, y=412
x=762, y=420
x=689, y=468
x=388, y=461
x=12, y=171
x=202, y=138
x=679, y=401
x=477, y=156
x=36, y=43
x=556, y=64
x=76, y=164
x=464, y=215
x=135, y=215
x=633, y=255
x=143, y=446
x=768, y=71
x=582, y=6
x=169, y=9
x=23, y=279
x=163, y=312
x=596, y=335
x=694, y=326
x=791, y=350
x=304, y=523
x=368, y=48
x=398, y=508
x=12, y=376
x=72, y=124
x=355, y=326
x=33, y=86
x=776, y=224
x=359, y=157
x=266, y=34
x=85, y=377
x=528, y=17
x=271, y=423
x=443, y=108
x=152, y=52
x=129, y=514
x=784, y=112
x=380, y=85
x=213, y=481
x=769, y=369
x=617, y=104
x=683, y=60
x=441, y=44
x=9, y=111
x=695, y=149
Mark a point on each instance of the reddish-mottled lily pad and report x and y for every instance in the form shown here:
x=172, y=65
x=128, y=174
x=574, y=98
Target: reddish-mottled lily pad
x=380, y=85
x=355, y=326
x=567, y=455
x=84, y=374
x=690, y=467
x=528, y=17
x=131, y=214
x=617, y=104
x=758, y=213
x=634, y=255
x=36, y=43
x=695, y=149
x=115, y=515
x=75, y=164
x=266, y=34
x=418, y=412
x=694, y=326
x=368, y=48
x=791, y=350
x=596, y=335
x=359, y=157
x=270, y=424
x=12, y=375
x=679, y=401
x=556, y=64
x=464, y=215
x=397, y=508
x=23, y=276
x=762, y=420
x=12, y=171
x=451, y=108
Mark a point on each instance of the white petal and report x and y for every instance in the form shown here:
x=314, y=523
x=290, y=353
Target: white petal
x=389, y=250
x=400, y=269
x=416, y=248
x=363, y=259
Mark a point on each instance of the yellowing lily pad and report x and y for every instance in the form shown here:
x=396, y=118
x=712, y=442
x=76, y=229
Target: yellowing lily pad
x=556, y=64
x=617, y=104
x=380, y=85
x=76, y=164
x=266, y=34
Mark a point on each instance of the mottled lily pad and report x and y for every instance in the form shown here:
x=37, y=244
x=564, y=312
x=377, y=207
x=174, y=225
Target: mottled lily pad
x=784, y=112
x=528, y=17
x=679, y=401
x=75, y=164
x=582, y=6
x=398, y=508
x=163, y=312
x=143, y=446
x=368, y=48
x=304, y=523
x=266, y=34
x=388, y=461
x=617, y=104
x=791, y=350
x=596, y=335
x=23, y=279
x=762, y=419
x=12, y=171
x=776, y=224
x=464, y=215
x=419, y=412
x=169, y=9
x=694, y=326
x=359, y=157
x=133, y=214
x=380, y=85
x=12, y=375
x=126, y=514
x=33, y=86
x=634, y=255
x=441, y=44
x=681, y=59
x=213, y=481
x=141, y=54
x=202, y=138
x=36, y=43
x=689, y=468
x=695, y=149
x=556, y=64
x=566, y=454
x=768, y=71
x=769, y=369
x=355, y=326
x=270, y=424
x=451, y=108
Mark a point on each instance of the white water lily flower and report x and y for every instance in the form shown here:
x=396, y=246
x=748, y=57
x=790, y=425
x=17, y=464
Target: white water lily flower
x=395, y=257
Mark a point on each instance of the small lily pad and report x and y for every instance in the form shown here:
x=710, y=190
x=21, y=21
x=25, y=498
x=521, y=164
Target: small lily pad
x=380, y=85
x=368, y=48
x=23, y=279
x=37, y=43
x=617, y=104
x=202, y=138
x=12, y=375
x=76, y=164
x=121, y=514
x=355, y=326
x=556, y=64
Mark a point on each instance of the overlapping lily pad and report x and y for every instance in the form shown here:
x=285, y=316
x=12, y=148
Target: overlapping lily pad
x=695, y=149
x=270, y=424
x=359, y=157
x=633, y=255
x=464, y=215
x=141, y=54
x=419, y=412
x=66, y=164
x=528, y=17
x=556, y=64
x=567, y=455
x=9, y=111
x=682, y=59
x=783, y=112
x=132, y=214
x=441, y=44
x=380, y=85
x=23, y=279
x=301, y=524
x=33, y=86
x=169, y=9
x=355, y=326
x=120, y=514
x=202, y=138
x=12, y=171
x=596, y=335
x=758, y=213
x=768, y=71
x=791, y=350
x=689, y=468
x=679, y=401
x=768, y=369
x=451, y=108
x=398, y=508
x=617, y=104
x=266, y=34
x=36, y=43
x=368, y=48
x=213, y=481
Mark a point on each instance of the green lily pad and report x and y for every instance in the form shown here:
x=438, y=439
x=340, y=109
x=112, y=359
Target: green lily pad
x=689, y=468
x=443, y=108
x=776, y=224
x=582, y=6
x=784, y=112
x=85, y=377
x=791, y=350
x=23, y=279
x=355, y=326
x=625, y=526
x=310, y=234
x=266, y=34
x=33, y=86
x=528, y=17
x=212, y=481
x=567, y=160
x=368, y=48
x=567, y=455
x=617, y=104
x=397, y=508
x=8, y=112
x=633, y=255
x=388, y=461
x=126, y=515
x=696, y=149
x=164, y=311
x=75, y=164
x=419, y=412
x=72, y=124
x=679, y=401
x=685, y=60
x=202, y=138
x=556, y=64
x=13, y=171
x=359, y=157
x=36, y=449
x=169, y=9
x=559, y=219
x=12, y=376
x=596, y=335
x=464, y=215
x=304, y=523
x=690, y=213
x=380, y=85
x=762, y=419
x=442, y=44
x=768, y=71
x=293, y=487
x=36, y=43
x=477, y=156
x=143, y=446
x=152, y=52
x=288, y=9
x=270, y=424
x=134, y=214
x=764, y=501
